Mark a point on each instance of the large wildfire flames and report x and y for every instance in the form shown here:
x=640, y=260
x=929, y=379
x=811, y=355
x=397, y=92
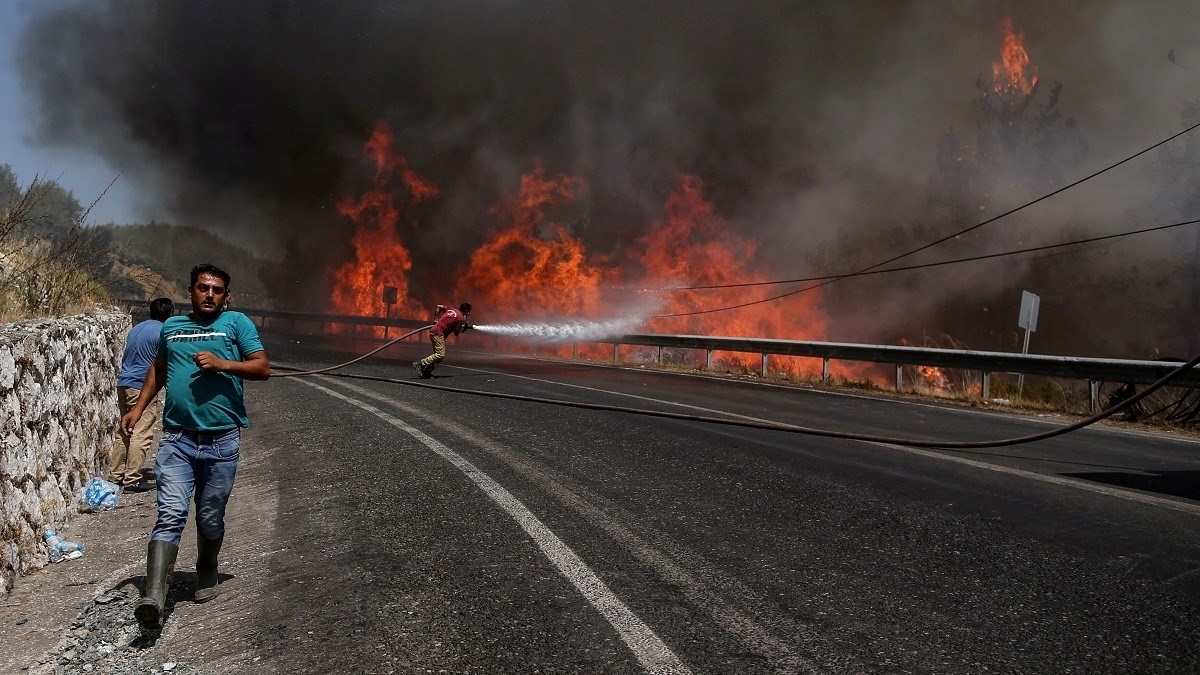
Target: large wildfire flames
x=532, y=268
x=381, y=258
x=518, y=274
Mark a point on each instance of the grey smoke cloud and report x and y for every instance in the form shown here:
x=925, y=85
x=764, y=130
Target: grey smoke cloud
x=814, y=123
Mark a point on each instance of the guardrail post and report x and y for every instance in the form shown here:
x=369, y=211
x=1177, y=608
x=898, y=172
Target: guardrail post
x=616, y=352
x=575, y=350
x=824, y=370
x=708, y=360
x=899, y=376
x=1094, y=395
x=985, y=391
x=660, y=356
x=764, y=369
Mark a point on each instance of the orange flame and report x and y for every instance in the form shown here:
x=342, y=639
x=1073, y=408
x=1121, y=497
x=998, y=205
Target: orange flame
x=935, y=377
x=1008, y=75
x=380, y=255
x=533, y=268
x=519, y=274
x=694, y=246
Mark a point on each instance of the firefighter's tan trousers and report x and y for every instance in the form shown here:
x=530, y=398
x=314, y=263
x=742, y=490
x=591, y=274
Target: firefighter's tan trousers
x=439, y=352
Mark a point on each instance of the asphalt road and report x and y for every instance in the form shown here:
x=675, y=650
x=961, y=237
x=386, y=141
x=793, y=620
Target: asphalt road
x=413, y=529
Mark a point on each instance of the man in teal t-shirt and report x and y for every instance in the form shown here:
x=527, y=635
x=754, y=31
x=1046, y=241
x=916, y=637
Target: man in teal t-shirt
x=205, y=401
x=202, y=359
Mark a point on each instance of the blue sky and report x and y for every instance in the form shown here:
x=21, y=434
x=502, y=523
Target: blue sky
x=83, y=174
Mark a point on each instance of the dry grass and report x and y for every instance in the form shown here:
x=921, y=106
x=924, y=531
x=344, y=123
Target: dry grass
x=66, y=272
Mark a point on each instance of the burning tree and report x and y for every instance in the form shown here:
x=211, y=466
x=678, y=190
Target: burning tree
x=381, y=255
x=1021, y=145
x=1024, y=148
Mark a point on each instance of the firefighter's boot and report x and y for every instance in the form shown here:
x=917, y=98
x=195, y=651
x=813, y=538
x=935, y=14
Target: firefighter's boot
x=206, y=567
x=160, y=562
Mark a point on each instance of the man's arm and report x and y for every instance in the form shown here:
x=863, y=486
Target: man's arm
x=156, y=377
x=252, y=367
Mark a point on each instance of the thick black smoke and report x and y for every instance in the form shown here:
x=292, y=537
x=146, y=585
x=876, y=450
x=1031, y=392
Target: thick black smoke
x=243, y=112
x=817, y=125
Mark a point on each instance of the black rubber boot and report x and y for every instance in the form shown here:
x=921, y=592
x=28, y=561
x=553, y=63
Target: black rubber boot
x=206, y=568
x=160, y=562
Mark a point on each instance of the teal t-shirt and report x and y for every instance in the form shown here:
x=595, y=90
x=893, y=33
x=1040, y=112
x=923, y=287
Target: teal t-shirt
x=199, y=400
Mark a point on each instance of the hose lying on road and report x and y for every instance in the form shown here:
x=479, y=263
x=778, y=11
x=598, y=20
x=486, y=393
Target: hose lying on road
x=356, y=360
x=772, y=426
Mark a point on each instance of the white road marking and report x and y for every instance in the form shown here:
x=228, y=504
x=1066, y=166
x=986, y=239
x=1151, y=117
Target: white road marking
x=1047, y=420
x=654, y=655
x=1185, y=507
x=703, y=585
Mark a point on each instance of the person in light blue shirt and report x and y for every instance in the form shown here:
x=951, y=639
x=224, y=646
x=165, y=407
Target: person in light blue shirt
x=202, y=359
x=141, y=347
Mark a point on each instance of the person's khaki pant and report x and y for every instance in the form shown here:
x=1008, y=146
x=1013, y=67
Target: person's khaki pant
x=439, y=352
x=128, y=456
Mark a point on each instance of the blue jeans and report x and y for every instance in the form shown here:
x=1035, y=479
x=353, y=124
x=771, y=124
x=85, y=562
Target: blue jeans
x=205, y=462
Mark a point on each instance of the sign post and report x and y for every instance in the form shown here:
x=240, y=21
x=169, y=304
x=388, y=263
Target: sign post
x=1028, y=320
x=389, y=299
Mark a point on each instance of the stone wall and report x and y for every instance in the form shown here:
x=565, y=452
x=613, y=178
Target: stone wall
x=58, y=418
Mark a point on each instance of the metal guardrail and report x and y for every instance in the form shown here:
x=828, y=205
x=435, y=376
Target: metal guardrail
x=1093, y=370
x=1071, y=367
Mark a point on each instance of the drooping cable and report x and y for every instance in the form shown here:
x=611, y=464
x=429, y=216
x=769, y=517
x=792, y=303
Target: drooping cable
x=940, y=263
x=948, y=237
x=792, y=428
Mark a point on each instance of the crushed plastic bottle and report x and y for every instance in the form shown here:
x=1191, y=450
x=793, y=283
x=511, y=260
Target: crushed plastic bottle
x=52, y=542
x=59, y=549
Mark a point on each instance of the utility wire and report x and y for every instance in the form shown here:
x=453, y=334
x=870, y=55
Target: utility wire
x=945, y=238
x=907, y=268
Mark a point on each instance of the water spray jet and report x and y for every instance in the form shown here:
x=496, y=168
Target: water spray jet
x=565, y=331
x=625, y=321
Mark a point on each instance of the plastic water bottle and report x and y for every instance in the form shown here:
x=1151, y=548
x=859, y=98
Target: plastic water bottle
x=52, y=543
x=59, y=549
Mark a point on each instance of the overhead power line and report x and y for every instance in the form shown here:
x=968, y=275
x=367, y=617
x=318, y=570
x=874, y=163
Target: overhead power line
x=940, y=263
x=946, y=238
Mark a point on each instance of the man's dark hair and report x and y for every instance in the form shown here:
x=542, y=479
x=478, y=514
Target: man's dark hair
x=209, y=268
x=465, y=307
x=161, y=309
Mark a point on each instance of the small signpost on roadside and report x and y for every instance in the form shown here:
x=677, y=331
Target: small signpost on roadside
x=1028, y=321
x=390, y=297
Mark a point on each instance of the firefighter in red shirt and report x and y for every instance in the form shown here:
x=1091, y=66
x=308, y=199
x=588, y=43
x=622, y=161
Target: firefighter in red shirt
x=450, y=321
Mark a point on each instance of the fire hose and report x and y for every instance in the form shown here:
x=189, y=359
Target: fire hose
x=352, y=361
x=770, y=426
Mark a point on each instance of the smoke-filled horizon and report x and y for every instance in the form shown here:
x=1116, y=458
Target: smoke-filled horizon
x=832, y=134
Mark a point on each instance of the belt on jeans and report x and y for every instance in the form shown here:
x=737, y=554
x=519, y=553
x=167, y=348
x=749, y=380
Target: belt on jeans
x=197, y=434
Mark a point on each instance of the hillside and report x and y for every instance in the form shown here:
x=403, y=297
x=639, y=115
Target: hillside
x=168, y=253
